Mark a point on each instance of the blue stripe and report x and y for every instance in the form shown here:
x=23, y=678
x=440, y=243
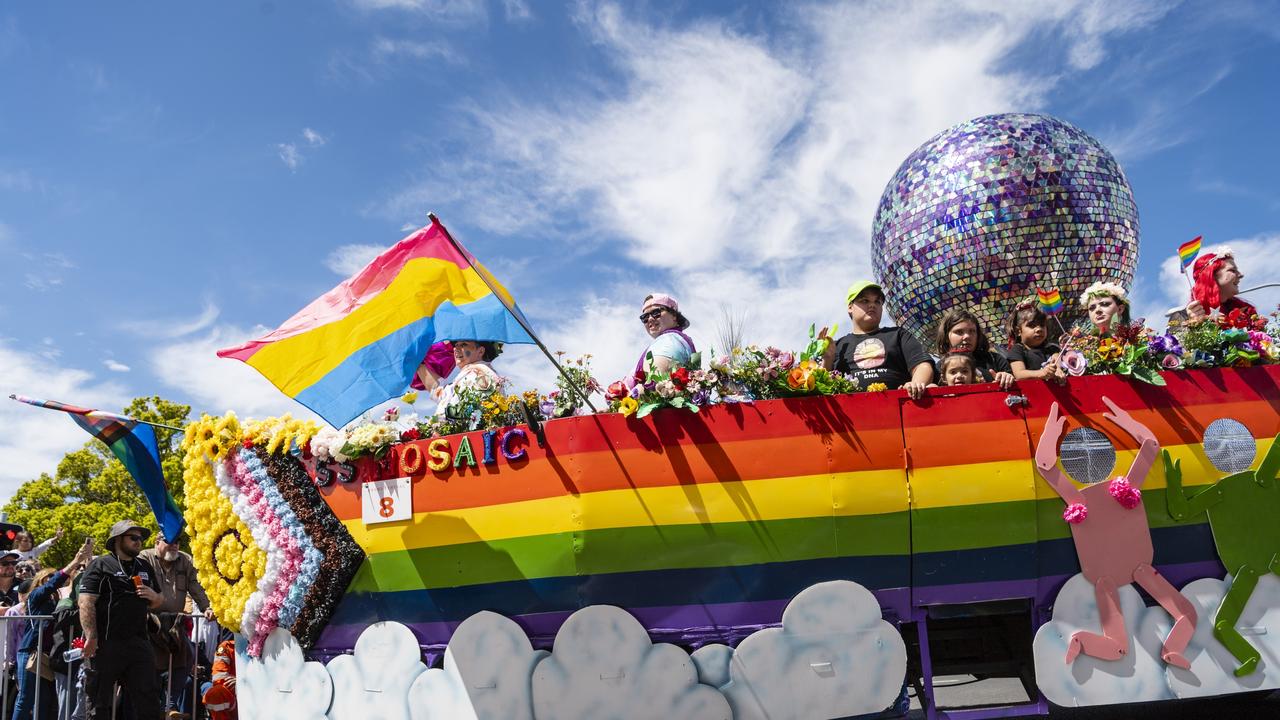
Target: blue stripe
x=383, y=369
x=655, y=588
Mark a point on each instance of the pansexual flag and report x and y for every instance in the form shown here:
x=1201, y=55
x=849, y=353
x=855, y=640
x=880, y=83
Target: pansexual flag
x=360, y=343
x=1050, y=301
x=1188, y=251
x=135, y=444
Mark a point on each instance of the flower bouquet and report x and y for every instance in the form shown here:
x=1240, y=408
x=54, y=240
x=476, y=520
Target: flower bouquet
x=1126, y=351
x=650, y=389
x=1231, y=340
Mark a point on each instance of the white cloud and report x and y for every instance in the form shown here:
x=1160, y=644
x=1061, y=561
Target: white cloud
x=16, y=180
x=745, y=170
x=347, y=260
x=289, y=155
x=451, y=11
x=281, y=683
x=35, y=439
x=834, y=656
x=173, y=327
x=313, y=138
x=605, y=665
x=374, y=681
x=386, y=49
x=215, y=385
x=41, y=283
x=516, y=10
x=486, y=674
x=1136, y=677
x=115, y=365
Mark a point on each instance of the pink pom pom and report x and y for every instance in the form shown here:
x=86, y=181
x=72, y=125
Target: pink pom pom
x=1127, y=495
x=1075, y=513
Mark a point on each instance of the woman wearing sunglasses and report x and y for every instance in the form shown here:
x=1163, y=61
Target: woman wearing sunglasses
x=671, y=347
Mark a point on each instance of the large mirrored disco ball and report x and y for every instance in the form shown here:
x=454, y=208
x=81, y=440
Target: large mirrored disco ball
x=993, y=208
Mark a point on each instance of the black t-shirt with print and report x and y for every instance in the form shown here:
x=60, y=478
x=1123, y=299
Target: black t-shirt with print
x=1032, y=358
x=120, y=612
x=885, y=356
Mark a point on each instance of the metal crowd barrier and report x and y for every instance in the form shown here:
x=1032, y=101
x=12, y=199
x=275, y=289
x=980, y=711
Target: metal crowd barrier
x=73, y=666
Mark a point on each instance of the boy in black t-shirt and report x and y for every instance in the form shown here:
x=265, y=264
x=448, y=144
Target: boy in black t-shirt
x=872, y=354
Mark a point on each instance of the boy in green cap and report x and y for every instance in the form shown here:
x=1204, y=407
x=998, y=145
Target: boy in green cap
x=872, y=354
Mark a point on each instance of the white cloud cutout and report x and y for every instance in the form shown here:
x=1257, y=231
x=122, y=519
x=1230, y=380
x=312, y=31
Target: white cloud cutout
x=282, y=683
x=35, y=439
x=834, y=656
x=741, y=167
x=712, y=662
x=1141, y=676
x=347, y=260
x=1137, y=677
x=605, y=666
x=115, y=365
x=171, y=328
x=374, y=681
x=216, y=385
x=1212, y=669
x=486, y=674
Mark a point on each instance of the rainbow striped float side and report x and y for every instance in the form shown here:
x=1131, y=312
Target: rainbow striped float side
x=704, y=526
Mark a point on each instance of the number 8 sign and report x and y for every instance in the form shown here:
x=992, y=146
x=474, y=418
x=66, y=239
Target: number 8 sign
x=387, y=501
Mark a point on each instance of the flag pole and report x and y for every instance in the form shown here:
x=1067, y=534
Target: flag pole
x=484, y=276
x=114, y=416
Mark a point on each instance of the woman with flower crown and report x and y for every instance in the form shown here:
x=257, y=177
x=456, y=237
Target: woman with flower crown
x=1107, y=306
x=1217, y=287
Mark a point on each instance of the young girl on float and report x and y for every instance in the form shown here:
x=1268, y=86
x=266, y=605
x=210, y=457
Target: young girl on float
x=1217, y=285
x=1031, y=355
x=1107, y=305
x=957, y=369
x=960, y=332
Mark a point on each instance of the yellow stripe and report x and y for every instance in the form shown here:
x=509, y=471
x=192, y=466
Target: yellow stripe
x=881, y=491
x=1013, y=480
x=296, y=363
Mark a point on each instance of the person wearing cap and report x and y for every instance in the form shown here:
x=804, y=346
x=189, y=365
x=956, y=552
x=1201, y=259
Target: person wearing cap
x=9, y=579
x=671, y=347
x=117, y=591
x=176, y=574
x=472, y=358
x=872, y=354
x=1217, y=286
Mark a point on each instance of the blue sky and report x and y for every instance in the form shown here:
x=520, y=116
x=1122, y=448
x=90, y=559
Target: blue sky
x=176, y=180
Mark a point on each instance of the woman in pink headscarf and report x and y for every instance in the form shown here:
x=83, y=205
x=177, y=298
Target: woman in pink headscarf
x=1217, y=286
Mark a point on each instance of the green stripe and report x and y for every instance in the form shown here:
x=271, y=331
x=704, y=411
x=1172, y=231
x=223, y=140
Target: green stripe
x=635, y=549
x=971, y=527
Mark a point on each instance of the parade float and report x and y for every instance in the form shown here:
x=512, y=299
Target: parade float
x=766, y=540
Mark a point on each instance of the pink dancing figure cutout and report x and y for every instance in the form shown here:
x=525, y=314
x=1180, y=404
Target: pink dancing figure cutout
x=1113, y=542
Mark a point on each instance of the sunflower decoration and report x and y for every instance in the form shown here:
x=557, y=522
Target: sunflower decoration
x=228, y=562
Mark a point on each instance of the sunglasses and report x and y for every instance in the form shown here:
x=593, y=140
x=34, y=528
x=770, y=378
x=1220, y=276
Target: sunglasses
x=132, y=536
x=653, y=314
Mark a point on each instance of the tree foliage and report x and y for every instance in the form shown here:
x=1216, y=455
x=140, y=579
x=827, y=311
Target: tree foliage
x=90, y=490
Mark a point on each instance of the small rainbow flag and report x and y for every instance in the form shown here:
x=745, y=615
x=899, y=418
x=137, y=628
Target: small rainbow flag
x=360, y=343
x=1188, y=251
x=1050, y=301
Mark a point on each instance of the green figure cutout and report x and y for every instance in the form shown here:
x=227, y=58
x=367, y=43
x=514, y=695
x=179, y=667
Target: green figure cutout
x=1244, y=515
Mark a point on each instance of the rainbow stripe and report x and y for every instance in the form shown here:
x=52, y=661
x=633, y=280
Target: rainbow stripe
x=360, y=343
x=1050, y=301
x=703, y=526
x=1188, y=251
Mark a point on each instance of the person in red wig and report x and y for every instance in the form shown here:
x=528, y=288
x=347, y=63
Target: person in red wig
x=1216, y=286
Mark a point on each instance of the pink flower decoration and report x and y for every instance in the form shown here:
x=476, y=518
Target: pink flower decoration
x=1127, y=495
x=1171, y=362
x=1075, y=513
